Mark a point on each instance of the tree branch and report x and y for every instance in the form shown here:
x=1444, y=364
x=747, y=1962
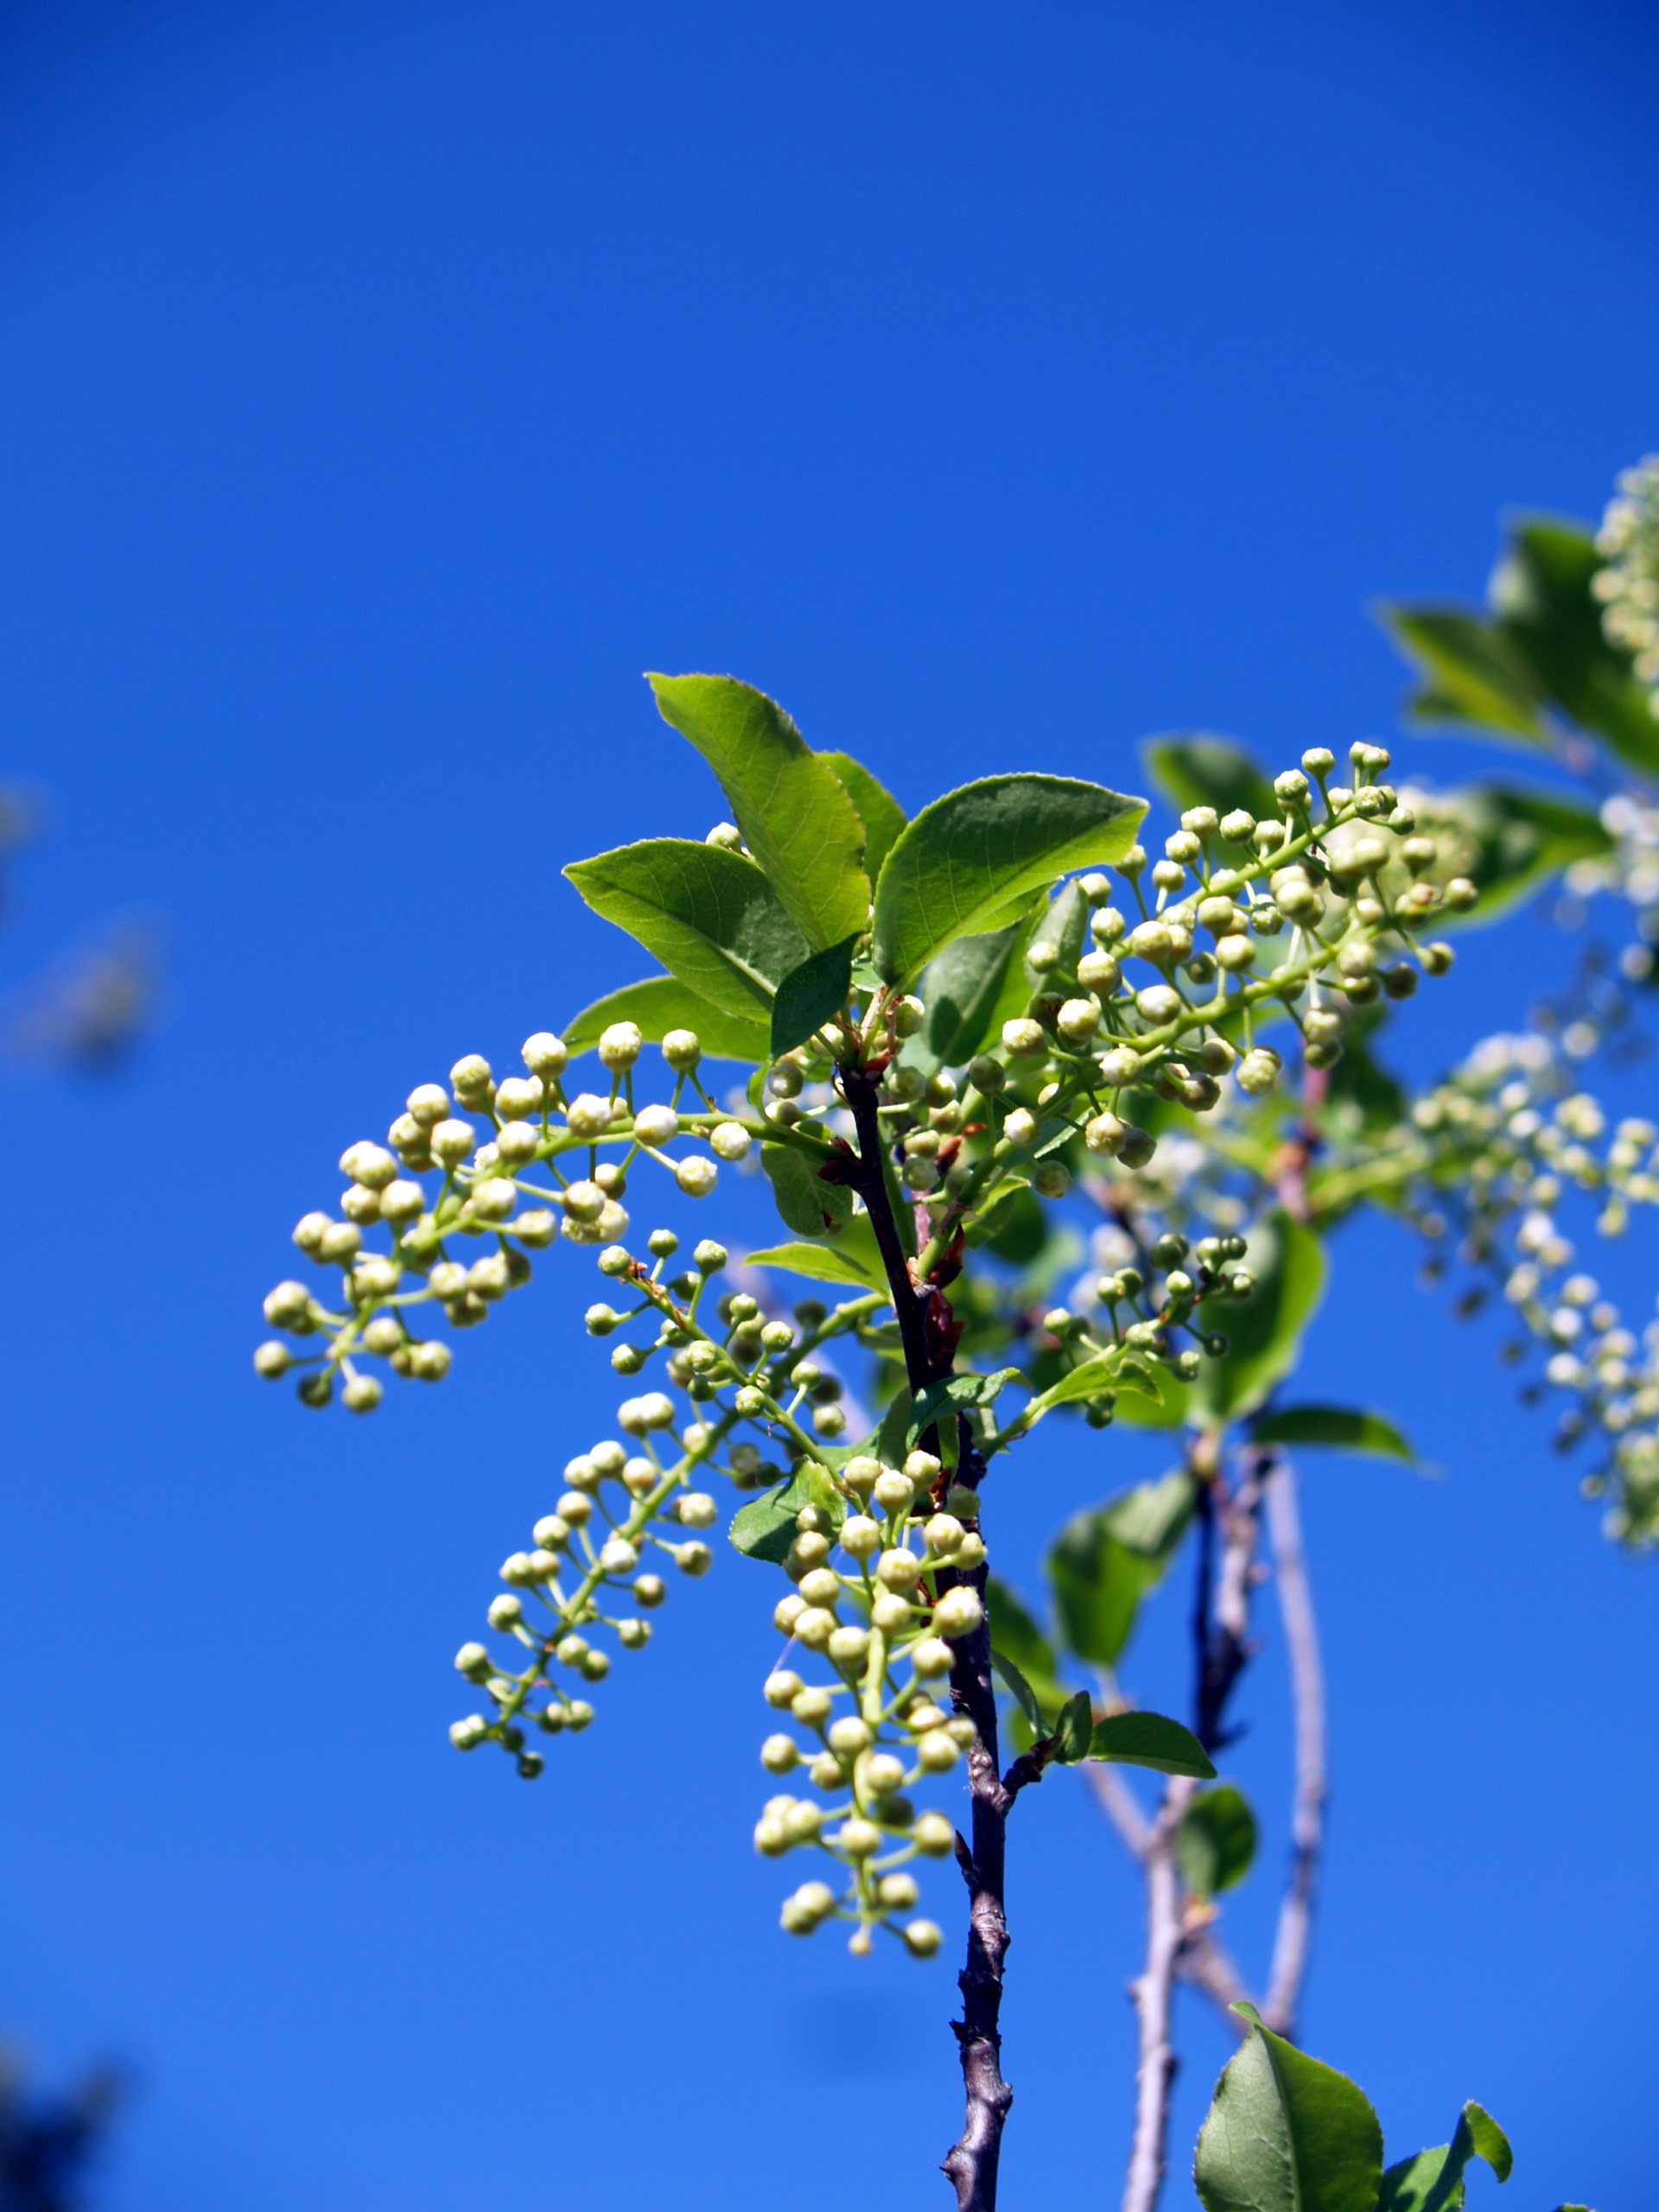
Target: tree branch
x=1153, y=1993
x=1291, y=1943
x=929, y=1346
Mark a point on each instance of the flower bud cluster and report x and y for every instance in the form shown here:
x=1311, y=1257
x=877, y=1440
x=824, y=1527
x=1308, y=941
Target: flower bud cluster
x=1500, y=1150
x=878, y=1605
x=1628, y=584
x=630, y=1518
x=510, y=1166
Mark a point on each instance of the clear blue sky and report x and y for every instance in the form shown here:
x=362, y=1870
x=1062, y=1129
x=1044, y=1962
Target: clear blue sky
x=384, y=388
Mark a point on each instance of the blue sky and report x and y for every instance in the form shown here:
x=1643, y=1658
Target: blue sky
x=385, y=388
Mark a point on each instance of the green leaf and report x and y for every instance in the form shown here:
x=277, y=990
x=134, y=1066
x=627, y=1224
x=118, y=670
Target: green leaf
x=1287, y=2134
x=1011, y=1223
x=962, y=991
x=1024, y=1696
x=1108, y=1370
x=1216, y=1841
x=1015, y=1630
x=1072, y=1728
x=792, y=808
x=709, y=915
x=1476, y=672
x=1542, y=596
x=1436, y=2181
x=877, y=810
x=764, y=1528
x=1098, y=1585
x=837, y=1263
x=1063, y=923
x=811, y=994
x=660, y=1003
x=1152, y=1518
x=958, y=1394
x=806, y=1203
x=1265, y=1331
x=1343, y=1427
x=972, y=861
x=1150, y=1740
x=1204, y=770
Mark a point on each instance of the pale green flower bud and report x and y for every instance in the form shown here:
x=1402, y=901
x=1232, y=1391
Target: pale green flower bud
x=471, y=1079
x=849, y=1647
x=935, y=1752
x=1023, y=1037
x=694, y=1559
x=466, y=1735
x=814, y=1625
x=362, y=1393
x=506, y=1610
x=473, y=1660
x=899, y=1570
x=697, y=1177
x=858, y=1839
x=890, y=1612
x=272, y=1360
x=682, y=1049
x=620, y=1045
x=288, y=1303
x=812, y=1903
x=883, y=1774
x=1078, y=1020
x=932, y=1657
x=309, y=1231
x=783, y=1687
x=371, y=1165
x=923, y=1938
x=588, y=1114
x=813, y=1706
x=1021, y=1128
x=656, y=1125
x=778, y=1754
x=402, y=1200
x=861, y=1536
x=545, y=1055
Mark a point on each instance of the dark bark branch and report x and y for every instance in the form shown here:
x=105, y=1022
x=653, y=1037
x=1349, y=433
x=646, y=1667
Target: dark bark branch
x=1291, y=1945
x=971, y=2164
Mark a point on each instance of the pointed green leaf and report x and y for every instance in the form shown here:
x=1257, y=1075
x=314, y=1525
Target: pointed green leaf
x=1216, y=1841
x=792, y=808
x=1108, y=1370
x=764, y=1528
x=1098, y=1585
x=1287, y=2134
x=1436, y=2181
x=876, y=808
x=806, y=1203
x=660, y=1003
x=1265, y=1331
x=962, y=991
x=958, y=1394
x=1205, y=770
x=972, y=861
x=709, y=915
x=1542, y=595
x=1024, y=1696
x=1343, y=1428
x=1150, y=1740
x=820, y=1263
x=811, y=994
x=1072, y=1729
x=1477, y=673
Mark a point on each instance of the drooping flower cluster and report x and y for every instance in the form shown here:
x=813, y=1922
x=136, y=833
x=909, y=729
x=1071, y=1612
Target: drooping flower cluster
x=1628, y=584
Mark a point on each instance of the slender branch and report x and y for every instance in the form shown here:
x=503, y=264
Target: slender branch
x=1153, y=1993
x=929, y=1345
x=1291, y=1942
x=1204, y=1960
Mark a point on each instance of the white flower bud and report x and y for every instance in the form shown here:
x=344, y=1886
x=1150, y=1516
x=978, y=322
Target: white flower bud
x=518, y=1096
x=883, y=1774
x=310, y=1230
x=899, y=1570
x=362, y=1393
x=271, y=1360
x=682, y=1049
x=288, y=1303
x=779, y=1753
x=931, y=1656
x=783, y=1687
x=466, y=1735
x=1023, y=1037
x=494, y=1198
x=890, y=1612
x=849, y=1647
x=1019, y=1128
x=858, y=1839
x=620, y=1045
x=656, y=1125
x=619, y=1556
x=452, y=1141
x=545, y=1055
x=787, y=1612
x=697, y=1177
x=814, y=1626
x=1078, y=1020
x=506, y=1610
x=923, y=1938
x=861, y=1536
x=588, y=1114
x=371, y=1165
x=402, y=1200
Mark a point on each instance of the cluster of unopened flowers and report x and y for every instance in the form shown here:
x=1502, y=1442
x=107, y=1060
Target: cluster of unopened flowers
x=1628, y=582
x=1333, y=890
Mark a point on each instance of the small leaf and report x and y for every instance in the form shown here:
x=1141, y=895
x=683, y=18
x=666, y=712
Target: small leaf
x=877, y=810
x=807, y=1203
x=795, y=814
x=820, y=1263
x=660, y=1003
x=1204, y=770
x=709, y=915
x=1109, y=1372
x=1264, y=1331
x=1345, y=1429
x=958, y=1394
x=1024, y=1696
x=963, y=992
x=972, y=861
x=1150, y=1740
x=1287, y=2134
x=1435, y=2181
x=1071, y=1729
x=1098, y=1585
x=1216, y=1841
x=1477, y=673
x=764, y=1528
x=811, y=994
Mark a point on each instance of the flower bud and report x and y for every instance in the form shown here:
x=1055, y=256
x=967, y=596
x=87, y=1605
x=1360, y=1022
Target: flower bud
x=545, y=1055
x=923, y=1938
x=934, y=1835
x=958, y=1613
x=466, y=1735
x=778, y=1754
x=1023, y=1037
